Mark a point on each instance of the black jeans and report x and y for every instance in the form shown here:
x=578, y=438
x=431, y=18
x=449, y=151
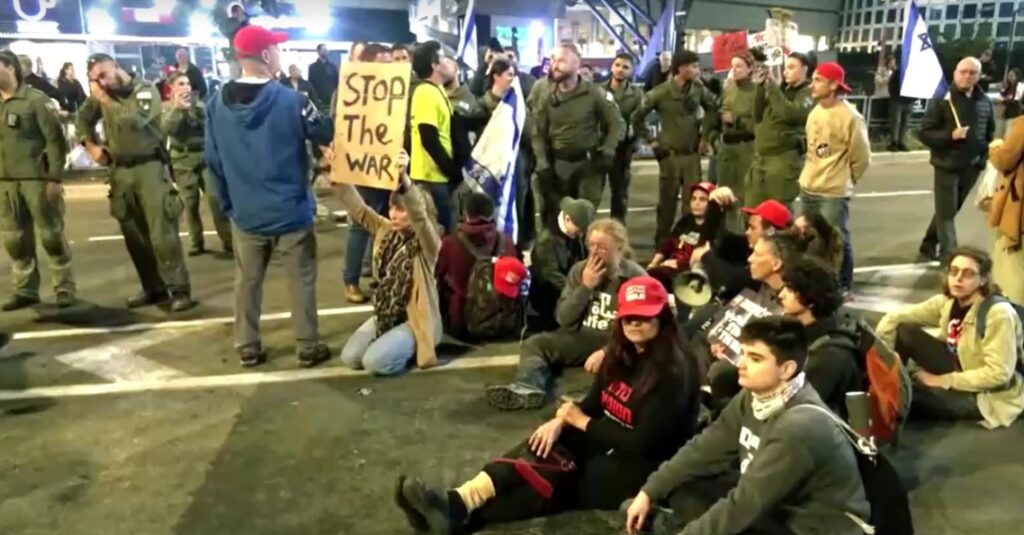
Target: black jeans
x=691, y=500
x=899, y=120
x=951, y=190
x=934, y=357
x=619, y=178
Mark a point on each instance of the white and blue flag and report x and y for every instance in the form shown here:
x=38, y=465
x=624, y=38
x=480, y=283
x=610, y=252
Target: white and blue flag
x=491, y=168
x=921, y=73
x=468, y=52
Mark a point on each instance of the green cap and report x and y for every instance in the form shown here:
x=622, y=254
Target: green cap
x=580, y=211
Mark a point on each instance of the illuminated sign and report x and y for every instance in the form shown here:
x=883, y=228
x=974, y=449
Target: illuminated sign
x=43, y=6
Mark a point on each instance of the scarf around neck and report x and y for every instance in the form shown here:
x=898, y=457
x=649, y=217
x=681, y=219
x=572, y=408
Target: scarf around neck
x=767, y=405
x=393, y=268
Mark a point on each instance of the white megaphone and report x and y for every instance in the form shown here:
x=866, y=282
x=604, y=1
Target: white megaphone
x=692, y=288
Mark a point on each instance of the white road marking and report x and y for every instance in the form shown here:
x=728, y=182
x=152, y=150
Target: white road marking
x=118, y=361
x=182, y=324
x=919, y=267
x=234, y=380
x=636, y=210
x=877, y=194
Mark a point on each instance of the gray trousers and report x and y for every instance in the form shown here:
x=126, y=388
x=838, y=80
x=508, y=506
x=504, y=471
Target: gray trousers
x=951, y=190
x=545, y=355
x=252, y=255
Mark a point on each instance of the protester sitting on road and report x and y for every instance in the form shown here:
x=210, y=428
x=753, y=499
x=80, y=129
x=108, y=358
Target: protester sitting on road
x=822, y=239
x=1006, y=212
x=406, y=322
x=641, y=407
x=797, y=470
x=556, y=252
x=455, y=261
x=962, y=374
x=699, y=225
x=585, y=314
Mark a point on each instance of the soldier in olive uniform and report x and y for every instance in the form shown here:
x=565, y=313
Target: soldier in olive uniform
x=568, y=122
x=736, y=120
x=183, y=122
x=780, y=142
x=628, y=97
x=142, y=197
x=679, y=102
x=32, y=153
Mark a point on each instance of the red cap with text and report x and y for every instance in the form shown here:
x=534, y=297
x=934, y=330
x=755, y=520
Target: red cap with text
x=251, y=41
x=641, y=296
x=774, y=212
x=509, y=272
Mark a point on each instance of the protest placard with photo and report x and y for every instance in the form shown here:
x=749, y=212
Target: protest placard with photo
x=370, y=123
x=726, y=326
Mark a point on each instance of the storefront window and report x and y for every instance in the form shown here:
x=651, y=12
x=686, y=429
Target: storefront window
x=952, y=12
x=970, y=11
x=988, y=10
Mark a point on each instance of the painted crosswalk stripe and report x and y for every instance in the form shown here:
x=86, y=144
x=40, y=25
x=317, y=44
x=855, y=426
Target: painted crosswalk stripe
x=120, y=362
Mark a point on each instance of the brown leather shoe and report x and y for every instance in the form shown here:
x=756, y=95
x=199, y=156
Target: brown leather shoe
x=354, y=295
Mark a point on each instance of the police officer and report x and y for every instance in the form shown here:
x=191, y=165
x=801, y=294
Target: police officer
x=736, y=121
x=628, y=97
x=678, y=101
x=142, y=197
x=183, y=122
x=32, y=152
x=780, y=135
x=569, y=121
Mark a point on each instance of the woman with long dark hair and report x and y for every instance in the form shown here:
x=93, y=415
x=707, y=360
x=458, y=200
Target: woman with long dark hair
x=821, y=239
x=69, y=89
x=640, y=409
x=1012, y=94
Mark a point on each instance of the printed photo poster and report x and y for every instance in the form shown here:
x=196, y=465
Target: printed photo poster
x=726, y=327
x=369, y=128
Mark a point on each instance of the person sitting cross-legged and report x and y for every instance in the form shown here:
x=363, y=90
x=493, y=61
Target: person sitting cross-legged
x=797, y=469
x=641, y=407
x=586, y=315
x=557, y=251
x=960, y=374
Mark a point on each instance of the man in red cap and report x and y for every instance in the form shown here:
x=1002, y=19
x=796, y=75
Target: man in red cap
x=838, y=155
x=256, y=135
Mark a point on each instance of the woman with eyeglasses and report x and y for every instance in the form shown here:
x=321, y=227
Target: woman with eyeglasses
x=641, y=408
x=970, y=370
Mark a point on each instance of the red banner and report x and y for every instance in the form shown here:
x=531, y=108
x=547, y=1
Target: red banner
x=725, y=46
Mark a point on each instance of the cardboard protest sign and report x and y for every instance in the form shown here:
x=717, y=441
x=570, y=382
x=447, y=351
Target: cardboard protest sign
x=728, y=324
x=369, y=129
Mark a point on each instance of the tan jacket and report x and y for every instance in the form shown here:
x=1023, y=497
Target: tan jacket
x=1005, y=212
x=424, y=311
x=838, y=151
x=989, y=365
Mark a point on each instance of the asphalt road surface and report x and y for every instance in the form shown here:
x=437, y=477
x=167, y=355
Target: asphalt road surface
x=140, y=422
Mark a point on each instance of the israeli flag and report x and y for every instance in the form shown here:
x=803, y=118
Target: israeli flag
x=468, y=52
x=491, y=168
x=921, y=73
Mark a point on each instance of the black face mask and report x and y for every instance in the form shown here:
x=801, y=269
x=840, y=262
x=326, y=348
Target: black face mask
x=121, y=92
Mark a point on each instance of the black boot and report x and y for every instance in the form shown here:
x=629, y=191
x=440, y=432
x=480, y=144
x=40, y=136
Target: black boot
x=18, y=302
x=251, y=356
x=182, y=302
x=444, y=512
x=416, y=521
x=313, y=355
x=144, y=299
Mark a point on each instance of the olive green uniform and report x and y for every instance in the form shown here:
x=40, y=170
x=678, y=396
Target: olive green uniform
x=32, y=152
x=142, y=197
x=184, y=129
x=678, y=153
x=628, y=98
x=737, y=145
x=780, y=143
x=567, y=141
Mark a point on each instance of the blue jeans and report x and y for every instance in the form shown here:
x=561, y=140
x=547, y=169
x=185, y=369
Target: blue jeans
x=387, y=355
x=359, y=239
x=441, y=194
x=836, y=211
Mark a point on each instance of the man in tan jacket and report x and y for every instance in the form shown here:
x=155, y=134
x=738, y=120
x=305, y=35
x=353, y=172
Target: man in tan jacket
x=838, y=155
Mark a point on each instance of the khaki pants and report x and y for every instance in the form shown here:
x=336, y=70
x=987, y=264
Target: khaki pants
x=583, y=179
x=674, y=172
x=733, y=164
x=24, y=211
x=192, y=187
x=147, y=207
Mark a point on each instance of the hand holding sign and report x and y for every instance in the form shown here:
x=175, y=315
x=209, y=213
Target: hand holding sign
x=370, y=125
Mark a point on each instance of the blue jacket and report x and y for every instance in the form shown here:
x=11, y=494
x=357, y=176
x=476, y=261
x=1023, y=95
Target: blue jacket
x=256, y=138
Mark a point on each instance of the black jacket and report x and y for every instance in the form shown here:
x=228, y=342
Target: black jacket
x=324, y=76
x=197, y=81
x=42, y=84
x=894, y=88
x=71, y=95
x=975, y=111
x=832, y=362
x=305, y=87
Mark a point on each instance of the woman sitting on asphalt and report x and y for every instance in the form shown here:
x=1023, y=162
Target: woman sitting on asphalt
x=407, y=319
x=640, y=409
x=821, y=238
x=960, y=374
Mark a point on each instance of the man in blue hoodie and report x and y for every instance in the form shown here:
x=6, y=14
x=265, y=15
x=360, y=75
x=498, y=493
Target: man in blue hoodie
x=256, y=134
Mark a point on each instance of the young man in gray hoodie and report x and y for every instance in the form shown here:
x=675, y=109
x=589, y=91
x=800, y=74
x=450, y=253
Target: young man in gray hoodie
x=585, y=315
x=797, y=469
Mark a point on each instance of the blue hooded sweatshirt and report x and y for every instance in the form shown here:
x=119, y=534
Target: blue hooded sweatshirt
x=256, y=136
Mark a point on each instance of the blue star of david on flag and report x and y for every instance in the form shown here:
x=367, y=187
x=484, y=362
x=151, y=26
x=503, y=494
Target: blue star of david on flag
x=926, y=42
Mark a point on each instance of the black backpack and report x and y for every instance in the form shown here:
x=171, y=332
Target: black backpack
x=488, y=313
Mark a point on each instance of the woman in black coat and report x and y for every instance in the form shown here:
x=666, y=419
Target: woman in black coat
x=69, y=89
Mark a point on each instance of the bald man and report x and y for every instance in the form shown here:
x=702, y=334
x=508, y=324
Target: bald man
x=959, y=146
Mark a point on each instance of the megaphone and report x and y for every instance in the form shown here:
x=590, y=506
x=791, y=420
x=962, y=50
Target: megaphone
x=692, y=288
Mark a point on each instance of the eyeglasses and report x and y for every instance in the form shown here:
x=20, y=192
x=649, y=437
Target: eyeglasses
x=967, y=273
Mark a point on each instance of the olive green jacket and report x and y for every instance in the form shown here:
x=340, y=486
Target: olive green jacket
x=738, y=99
x=32, y=142
x=130, y=124
x=628, y=98
x=781, y=115
x=679, y=109
x=568, y=122
x=184, y=130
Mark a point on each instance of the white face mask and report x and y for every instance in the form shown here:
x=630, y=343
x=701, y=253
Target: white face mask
x=767, y=405
x=561, y=223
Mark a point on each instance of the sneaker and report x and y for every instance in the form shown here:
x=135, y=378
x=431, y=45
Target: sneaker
x=928, y=254
x=416, y=521
x=433, y=506
x=313, y=355
x=354, y=295
x=18, y=302
x=182, y=302
x=196, y=250
x=145, y=299
x=65, y=299
x=5, y=338
x=515, y=397
x=252, y=356
x=659, y=521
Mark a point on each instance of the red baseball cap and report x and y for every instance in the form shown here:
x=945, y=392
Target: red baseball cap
x=642, y=296
x=706, y=187
x=834, y=72
x=509, y=272
x=250, y=41
x=774, y=212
